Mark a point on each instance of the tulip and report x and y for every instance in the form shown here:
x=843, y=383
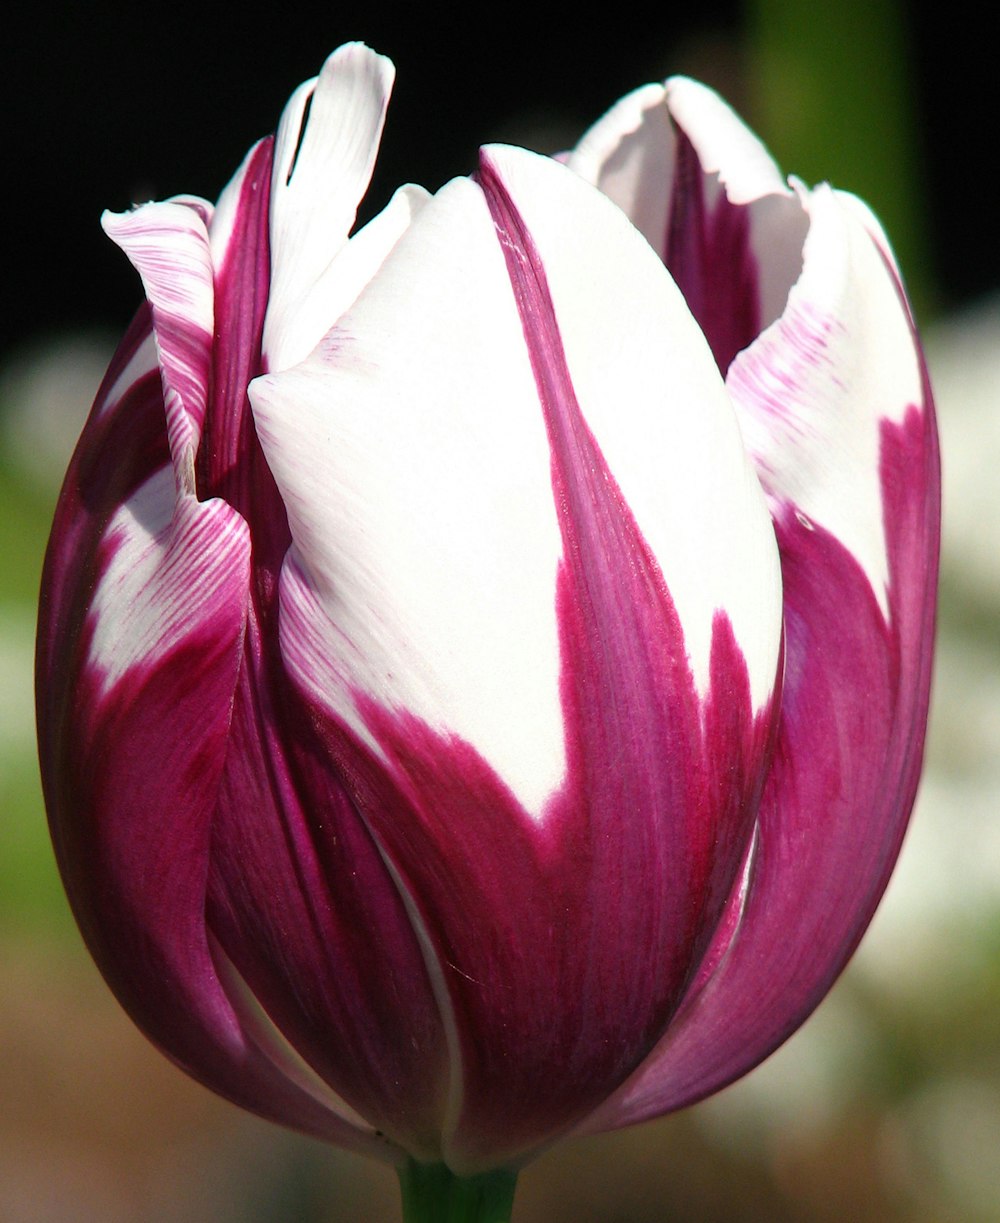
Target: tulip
x=483, y=661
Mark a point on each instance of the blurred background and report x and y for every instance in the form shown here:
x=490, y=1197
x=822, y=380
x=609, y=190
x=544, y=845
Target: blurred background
x=886, y=1106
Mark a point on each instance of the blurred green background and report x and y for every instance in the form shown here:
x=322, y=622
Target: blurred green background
x=886, y=1106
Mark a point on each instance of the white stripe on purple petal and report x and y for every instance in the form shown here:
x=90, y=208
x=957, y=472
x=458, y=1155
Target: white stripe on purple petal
x=128, y=367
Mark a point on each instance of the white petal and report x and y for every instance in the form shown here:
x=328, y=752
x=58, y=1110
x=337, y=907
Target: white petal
x=168, y=245
x=413, y=461
x=728, y=150
x=358, y=261
x=724, y=144
x=323, y=161
x=814, y=387
x=629, y=155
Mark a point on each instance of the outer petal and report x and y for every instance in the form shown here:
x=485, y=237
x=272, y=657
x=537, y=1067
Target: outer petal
x=169, y=248
x=838, y=415
x=457, y=557
x=150, y=648
x=135, y=684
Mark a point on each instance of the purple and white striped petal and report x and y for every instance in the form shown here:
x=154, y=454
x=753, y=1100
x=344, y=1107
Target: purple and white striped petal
x=168, y=245
x=143, y=674
x=837, y=413
x=409, y=564
x=709, y=199
x=294, y=885
x=448, y=622
x=168, y=676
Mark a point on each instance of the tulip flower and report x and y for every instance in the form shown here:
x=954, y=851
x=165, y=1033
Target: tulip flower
x=483, y=661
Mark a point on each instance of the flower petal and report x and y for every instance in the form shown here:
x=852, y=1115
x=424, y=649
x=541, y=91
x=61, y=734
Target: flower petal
x=423, y=521
x=413, y=464
x=651, y=399
x=705, y=192
x=135, y=682
x=168, y=245
x=296, y=888
x=814, y=392
x=358, y=261
x=433, y=613
x=295, y=885
x=629, y=155
x=324, y=156
x=725, y=145
x=838, y=415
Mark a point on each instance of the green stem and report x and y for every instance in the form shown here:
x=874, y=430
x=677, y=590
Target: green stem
x=433, y=1194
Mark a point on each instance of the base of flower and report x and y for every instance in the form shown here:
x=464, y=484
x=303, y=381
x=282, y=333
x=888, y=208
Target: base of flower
x=432, y=1193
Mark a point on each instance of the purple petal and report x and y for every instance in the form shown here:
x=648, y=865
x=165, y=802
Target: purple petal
x=296, y=885
x=304, y=906
x=111, y=718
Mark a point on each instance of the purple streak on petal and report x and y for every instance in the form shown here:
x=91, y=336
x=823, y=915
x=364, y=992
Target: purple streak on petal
x=838, y=799
x=708, y=252
x=693, y=768
x=564, y=945
x=299, y=897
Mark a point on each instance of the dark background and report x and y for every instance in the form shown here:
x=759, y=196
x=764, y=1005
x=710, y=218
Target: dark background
x=111, y=103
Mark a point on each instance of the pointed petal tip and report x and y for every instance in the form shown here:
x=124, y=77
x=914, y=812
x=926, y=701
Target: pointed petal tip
x=724, y=143
x=325, y=152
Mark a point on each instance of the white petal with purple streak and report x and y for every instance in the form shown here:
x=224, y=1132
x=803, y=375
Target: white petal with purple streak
x=629, y=155
x=165, y=562
x=168, y=245
x=724, y=144
x=652, y=396
x=412, y=459
x=412, y=456
x=813, y=390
